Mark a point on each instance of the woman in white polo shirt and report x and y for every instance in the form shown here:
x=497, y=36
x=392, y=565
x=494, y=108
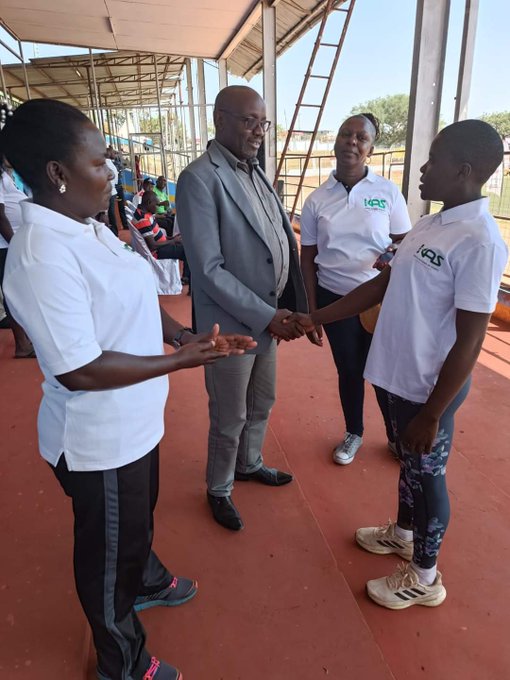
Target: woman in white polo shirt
x=437, y=298
x=345, y=225
x=91, y=308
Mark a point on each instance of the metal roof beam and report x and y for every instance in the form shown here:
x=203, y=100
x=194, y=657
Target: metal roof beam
x=242, y=31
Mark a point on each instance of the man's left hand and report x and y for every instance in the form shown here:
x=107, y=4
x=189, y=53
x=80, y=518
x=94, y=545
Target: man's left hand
x=420, y=434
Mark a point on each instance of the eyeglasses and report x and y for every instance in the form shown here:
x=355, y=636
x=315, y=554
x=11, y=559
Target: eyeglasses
x=250, y=123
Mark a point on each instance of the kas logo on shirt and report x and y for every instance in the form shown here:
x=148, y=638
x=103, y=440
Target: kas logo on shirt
x=429, y=257
x=375, y=203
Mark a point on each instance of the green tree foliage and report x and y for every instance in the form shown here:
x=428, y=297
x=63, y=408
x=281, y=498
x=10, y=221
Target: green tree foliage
x=392, y=114
x=149, y=123
x=500, y=120
x=119, y=118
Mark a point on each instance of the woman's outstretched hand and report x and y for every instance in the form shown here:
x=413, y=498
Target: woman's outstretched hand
x=197, y=354
x=224, y=345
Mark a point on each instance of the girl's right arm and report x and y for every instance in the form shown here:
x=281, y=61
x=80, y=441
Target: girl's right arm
x=360, y=299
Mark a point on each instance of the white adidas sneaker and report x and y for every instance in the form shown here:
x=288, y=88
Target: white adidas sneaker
x=403, y=589
x=345, y=451
x=384, y=541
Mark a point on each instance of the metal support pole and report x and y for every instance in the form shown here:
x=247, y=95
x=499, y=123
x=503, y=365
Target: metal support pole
x=222, y=73
x=158, y=94
x=269, y=80
x=191, y=108
x=115, y=130
x=466, y=60
x=202, y=111
x=109, y=123
x=96, y=93
x=25, y=74
x=4, y=86
x=91, y=98
x=181, y=117
x=180, y=112
x=430, y=37
x=101, y=111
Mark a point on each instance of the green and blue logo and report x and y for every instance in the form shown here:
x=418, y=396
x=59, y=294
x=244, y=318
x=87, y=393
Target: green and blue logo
x=430, y=256
x=375, y=203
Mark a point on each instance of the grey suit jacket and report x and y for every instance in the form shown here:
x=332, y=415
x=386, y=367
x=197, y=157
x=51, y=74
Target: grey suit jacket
x=233, y=279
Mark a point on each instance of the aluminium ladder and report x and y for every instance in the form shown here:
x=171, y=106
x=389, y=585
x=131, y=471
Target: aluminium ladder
x=329, y=8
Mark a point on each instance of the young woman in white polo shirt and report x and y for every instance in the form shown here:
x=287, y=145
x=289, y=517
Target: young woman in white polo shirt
x=345, y=225
x=91, y=308
x=438, y=297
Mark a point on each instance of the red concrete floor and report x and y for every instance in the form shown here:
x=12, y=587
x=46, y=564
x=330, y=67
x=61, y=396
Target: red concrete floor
x=284, y=599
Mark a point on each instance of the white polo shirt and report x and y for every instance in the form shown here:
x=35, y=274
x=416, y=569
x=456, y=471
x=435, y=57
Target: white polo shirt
x=352, y=229
x=452, y=260
x=11, y=197
x=78, y=290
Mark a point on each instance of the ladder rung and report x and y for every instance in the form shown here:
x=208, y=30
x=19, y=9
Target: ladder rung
x=328, y=44
x=313, y=106
x=314, y=76
x=303, y=132
x=340, y=9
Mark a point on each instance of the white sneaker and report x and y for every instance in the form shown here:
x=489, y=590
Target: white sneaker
x=345, y=451
x=384, y=541
x=403, y=589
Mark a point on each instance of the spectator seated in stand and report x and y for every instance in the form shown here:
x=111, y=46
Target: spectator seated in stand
x=161, y=247
x=147, y=185
x=116, y=158
x=164, y=214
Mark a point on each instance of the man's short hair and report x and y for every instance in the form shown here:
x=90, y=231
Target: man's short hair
x=147, y=196
x=474, y=142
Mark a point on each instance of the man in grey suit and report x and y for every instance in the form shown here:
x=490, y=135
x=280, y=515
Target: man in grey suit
x=246, y=277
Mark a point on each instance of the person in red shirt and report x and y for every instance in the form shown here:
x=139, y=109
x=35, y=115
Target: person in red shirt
x=161, y=247
x=138, y=172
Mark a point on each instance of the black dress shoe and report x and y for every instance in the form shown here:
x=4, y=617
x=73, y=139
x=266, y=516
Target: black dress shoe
x=225, y=512
x=265, y=475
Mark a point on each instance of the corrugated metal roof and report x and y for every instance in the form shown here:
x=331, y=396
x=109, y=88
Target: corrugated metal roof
x=293, y=19
x=123, y=78
x=126, y=77
x=196, y=28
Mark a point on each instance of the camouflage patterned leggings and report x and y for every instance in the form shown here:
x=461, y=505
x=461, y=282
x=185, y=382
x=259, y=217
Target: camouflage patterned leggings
x=422, y=494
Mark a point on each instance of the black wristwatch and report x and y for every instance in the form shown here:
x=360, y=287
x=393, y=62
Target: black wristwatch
x=177, y=341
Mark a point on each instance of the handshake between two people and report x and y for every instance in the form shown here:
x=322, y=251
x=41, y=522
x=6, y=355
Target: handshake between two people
x=207, y=348
x=287, y=325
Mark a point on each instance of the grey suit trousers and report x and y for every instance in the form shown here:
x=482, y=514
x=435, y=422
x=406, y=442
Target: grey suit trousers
x=241, y=394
